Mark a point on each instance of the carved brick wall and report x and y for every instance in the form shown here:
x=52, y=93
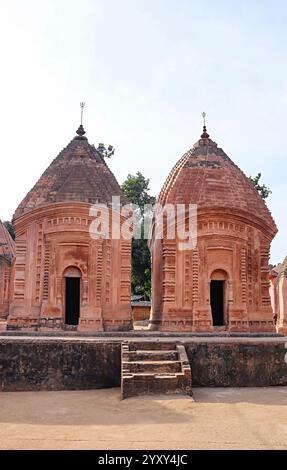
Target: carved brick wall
x=125, y=284
x=169, y=272
x=20, y=266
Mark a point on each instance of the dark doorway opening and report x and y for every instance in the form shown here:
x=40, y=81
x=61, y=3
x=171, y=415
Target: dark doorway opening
x=72, y=300
x=217, y=302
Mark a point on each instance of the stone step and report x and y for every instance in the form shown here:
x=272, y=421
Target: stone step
x=151, y=346
x=154, y=355
x=150, y=375
x=152, y=366
x=143, y=384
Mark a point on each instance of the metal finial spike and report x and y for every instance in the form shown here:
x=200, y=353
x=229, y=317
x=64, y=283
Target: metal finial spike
x=81, y=131
x=205, y=135
x=82, y=105
x=204, y=116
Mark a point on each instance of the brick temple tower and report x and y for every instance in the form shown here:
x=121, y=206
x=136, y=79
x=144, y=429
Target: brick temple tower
x=221, y=284
x=63, y=277
x=7, y=255
x=278, y=294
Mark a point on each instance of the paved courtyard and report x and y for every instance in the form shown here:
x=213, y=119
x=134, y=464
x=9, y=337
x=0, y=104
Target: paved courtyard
x=246, y=418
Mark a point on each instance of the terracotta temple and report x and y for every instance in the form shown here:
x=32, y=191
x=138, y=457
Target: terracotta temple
x=59, y=275
x=7, y=255
x=278, y=294
x=223, y=283
x=62, y=277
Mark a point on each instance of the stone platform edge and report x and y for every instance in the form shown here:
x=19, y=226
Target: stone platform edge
x=62, y=362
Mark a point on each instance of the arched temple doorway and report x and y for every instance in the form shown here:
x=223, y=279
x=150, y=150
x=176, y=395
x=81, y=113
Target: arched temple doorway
x=72, y=277
x=218, y=282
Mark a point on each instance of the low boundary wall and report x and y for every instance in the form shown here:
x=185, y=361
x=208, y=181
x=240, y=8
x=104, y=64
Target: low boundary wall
x=31, y=363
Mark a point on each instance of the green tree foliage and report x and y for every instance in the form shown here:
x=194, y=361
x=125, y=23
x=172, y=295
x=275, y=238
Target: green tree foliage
x=136, y=189
x=261, y=188
x=10, y=228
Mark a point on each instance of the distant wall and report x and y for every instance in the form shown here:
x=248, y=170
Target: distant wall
x=140, y=312
x=77, y=364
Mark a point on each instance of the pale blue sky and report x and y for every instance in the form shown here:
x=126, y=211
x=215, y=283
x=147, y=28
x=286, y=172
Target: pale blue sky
x=146, y=70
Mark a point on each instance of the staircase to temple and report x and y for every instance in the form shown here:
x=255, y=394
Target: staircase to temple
x=154, y=368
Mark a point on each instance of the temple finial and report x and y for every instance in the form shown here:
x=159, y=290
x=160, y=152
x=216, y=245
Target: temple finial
x=204, y=135
x=204, y=116
x=81, y=131
x=82, y=105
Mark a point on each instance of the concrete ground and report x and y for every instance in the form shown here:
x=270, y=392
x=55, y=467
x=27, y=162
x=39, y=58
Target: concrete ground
x=215, y=418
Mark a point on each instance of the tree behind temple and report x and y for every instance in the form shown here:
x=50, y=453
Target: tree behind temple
x=10, y=228
x=136, y=189
x=261, y=188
